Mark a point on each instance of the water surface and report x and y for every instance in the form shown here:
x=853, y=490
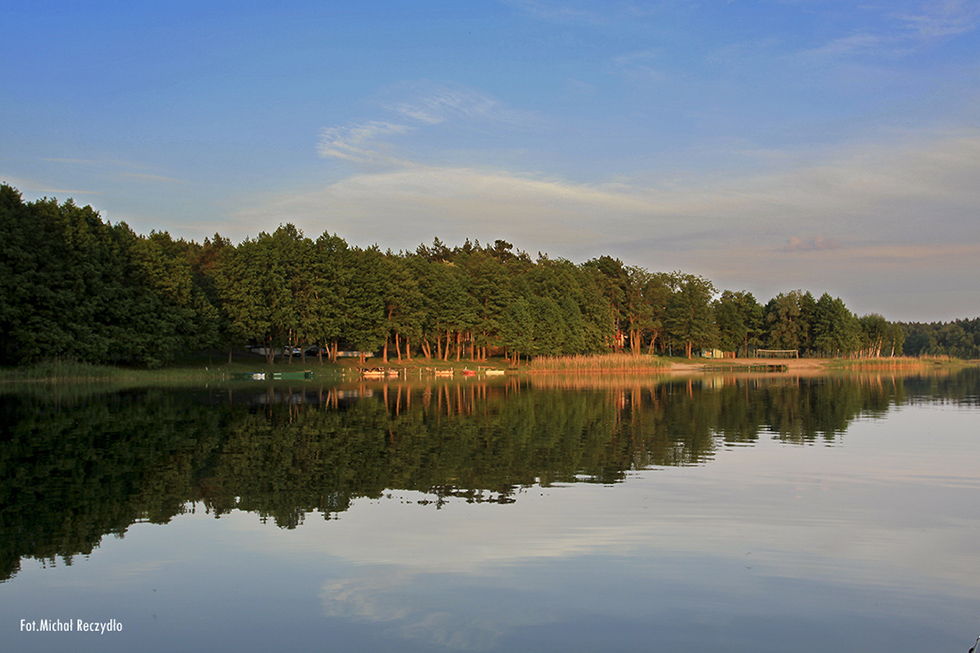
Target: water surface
x=721, y=513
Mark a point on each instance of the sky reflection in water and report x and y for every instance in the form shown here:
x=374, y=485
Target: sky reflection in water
x=863, y=541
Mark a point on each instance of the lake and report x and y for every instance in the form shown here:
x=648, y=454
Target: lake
x=728, y=513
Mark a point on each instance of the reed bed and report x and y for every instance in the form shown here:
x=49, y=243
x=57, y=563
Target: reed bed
x=603, y=364
x=897, y=363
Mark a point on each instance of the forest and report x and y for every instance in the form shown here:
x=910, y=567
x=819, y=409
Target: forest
x=79, y=288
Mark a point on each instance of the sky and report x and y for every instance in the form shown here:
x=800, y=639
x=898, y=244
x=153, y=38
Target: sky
x=768, y=145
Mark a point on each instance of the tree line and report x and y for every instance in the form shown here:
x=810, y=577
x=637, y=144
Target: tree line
x=958, y=338
x=76, y=287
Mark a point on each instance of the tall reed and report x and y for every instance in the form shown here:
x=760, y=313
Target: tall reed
x=601, y=364
x=891, y=363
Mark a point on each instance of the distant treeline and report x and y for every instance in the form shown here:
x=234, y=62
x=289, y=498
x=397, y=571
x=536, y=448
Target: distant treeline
x=959, y=339
x=76, y=287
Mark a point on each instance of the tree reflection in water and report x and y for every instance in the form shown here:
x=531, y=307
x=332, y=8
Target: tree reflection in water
x=77, y=466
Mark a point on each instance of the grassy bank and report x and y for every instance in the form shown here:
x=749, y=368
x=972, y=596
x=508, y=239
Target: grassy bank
x=200, y=370
x=57, y=371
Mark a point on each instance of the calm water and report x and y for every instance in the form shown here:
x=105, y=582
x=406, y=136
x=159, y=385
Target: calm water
x=752, y=514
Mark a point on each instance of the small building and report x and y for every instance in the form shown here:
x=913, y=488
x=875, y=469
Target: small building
x=716, y=353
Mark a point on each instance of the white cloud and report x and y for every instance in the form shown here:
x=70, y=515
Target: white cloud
x=432, y=104
x=858, y=192
x=420, y=107
x=901, y=32
x=361, y=143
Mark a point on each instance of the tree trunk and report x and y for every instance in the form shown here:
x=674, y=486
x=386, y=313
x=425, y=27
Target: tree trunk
x=653, y=341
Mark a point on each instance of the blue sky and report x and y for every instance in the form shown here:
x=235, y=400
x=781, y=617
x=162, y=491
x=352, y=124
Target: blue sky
x=826, y=145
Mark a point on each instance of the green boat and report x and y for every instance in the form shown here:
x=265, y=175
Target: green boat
x=292, y=376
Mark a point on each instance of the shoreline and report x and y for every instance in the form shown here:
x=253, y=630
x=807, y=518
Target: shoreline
x=193, y=374
x=792, y=365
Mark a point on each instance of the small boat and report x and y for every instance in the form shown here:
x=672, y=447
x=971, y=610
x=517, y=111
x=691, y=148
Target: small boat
x=495, y=372
x=288, y=376
x=469, y=373
x=248, y=376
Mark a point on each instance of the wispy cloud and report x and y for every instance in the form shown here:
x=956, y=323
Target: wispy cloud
x=361, y=143
x=33, y=188
x=87, y=162
x=432, y=103
x=418, y=107
x=944, y=18
x=113, y=169
x=64, y=192
x=858, y=189
x=902, y=32
x=856, y=44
